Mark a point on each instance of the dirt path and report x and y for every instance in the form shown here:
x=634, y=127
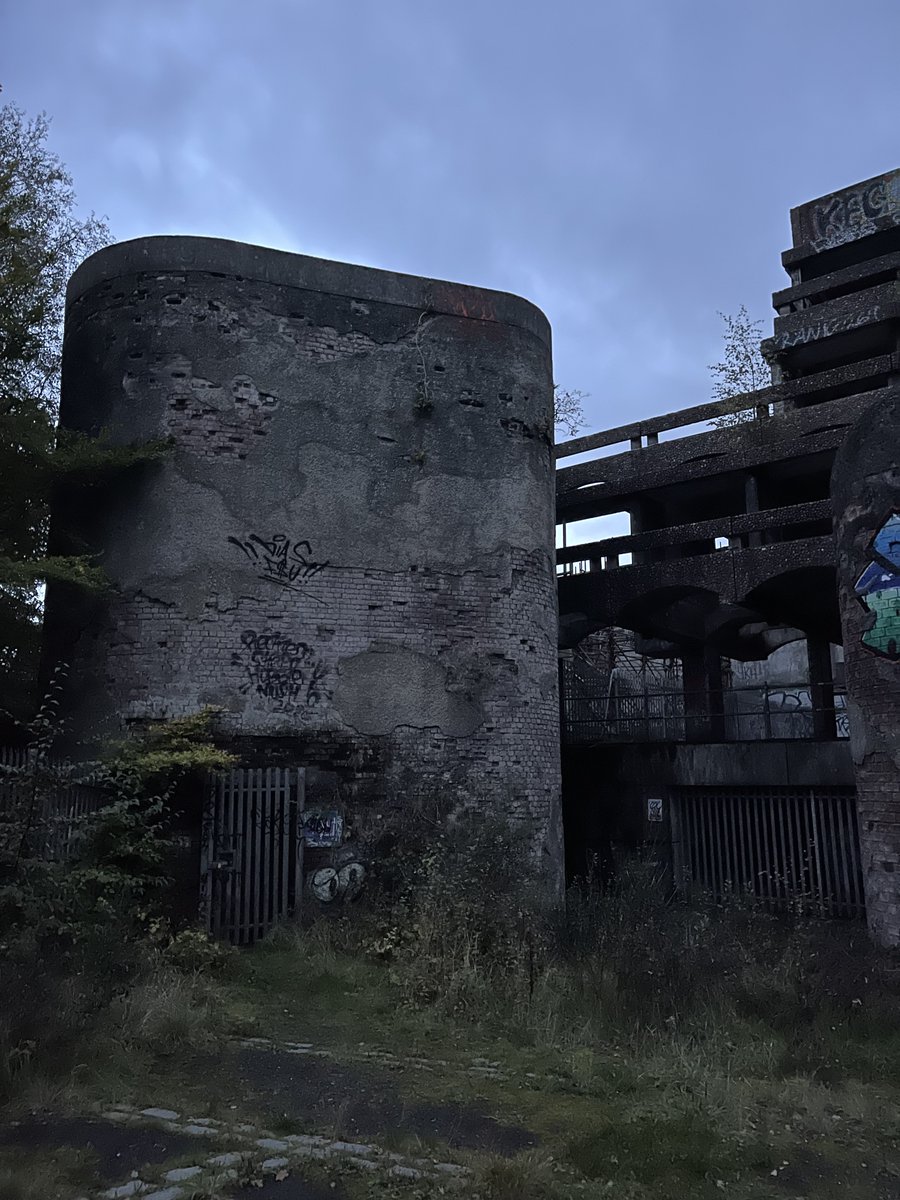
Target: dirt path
x=364, y=1102
x=264, y=1116
x=301, y=1121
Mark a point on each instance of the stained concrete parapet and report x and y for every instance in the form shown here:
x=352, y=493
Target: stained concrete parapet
x=177, y=255
x=846, y=215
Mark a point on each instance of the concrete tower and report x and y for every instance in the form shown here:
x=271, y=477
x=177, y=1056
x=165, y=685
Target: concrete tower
x=349, y=549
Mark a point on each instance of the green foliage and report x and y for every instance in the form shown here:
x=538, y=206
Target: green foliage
x=162, y=751
x=743, y=368
x=189, y=950
x=672, y=1154
x=527, y=1177
x=461, y=921
x=717, y=1045
x=41, y=242
x=80, y=934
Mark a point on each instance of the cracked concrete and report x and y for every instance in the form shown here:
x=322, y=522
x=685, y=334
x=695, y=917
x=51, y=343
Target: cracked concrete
x=355, y=450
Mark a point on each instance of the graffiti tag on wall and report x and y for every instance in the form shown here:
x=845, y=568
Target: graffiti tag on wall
x=878, y=589
x=853, y=213
x=280, y=669
x=322, y=829
x=826, y=329
x=337, y=885
x=281, y=561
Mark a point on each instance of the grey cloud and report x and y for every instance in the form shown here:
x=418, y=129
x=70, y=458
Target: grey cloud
x=627, y=166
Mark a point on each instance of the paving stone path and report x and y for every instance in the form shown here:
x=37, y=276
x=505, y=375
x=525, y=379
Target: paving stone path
x=134, y=1147
x=256, y=1152
x=482, y=1068
x=365, y=1100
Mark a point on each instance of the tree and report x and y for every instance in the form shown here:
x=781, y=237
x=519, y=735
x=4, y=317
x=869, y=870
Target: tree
x=568, y=410
x=743, y=369
x=41, y=243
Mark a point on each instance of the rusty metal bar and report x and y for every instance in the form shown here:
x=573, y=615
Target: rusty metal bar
x=257, y=846
x=817, y=847
x=284, y=793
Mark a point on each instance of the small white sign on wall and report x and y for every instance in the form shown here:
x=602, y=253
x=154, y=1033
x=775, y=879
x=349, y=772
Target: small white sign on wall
x=654, y=808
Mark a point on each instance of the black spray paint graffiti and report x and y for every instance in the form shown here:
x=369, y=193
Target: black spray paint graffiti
x=281, y=561
x=280, y=669
x=337, y=885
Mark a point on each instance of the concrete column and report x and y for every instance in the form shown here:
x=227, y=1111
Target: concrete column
x=751, y=505
x=638, y=525
x=367, y=586
x=716, y=699
x=865, y=489
x=704, y=709
x=821, y=689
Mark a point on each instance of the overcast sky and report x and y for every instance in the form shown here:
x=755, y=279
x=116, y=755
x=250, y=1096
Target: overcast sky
x=627, y=166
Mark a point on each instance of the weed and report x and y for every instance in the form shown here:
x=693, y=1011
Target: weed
x=57, y=1172
x=166, y=1011
x=526, y=1177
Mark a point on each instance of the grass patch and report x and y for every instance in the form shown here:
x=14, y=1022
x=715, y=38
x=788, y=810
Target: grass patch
x=54, y=1174
x=651, y=1050
x=652, y=1151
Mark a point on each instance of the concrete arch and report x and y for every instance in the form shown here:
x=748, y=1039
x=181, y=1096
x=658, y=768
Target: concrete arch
x=804, y=597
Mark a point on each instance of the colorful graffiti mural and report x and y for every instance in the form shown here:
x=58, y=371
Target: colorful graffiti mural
x=878, y=589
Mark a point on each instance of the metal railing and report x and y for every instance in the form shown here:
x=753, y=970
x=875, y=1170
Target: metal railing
x=766, y=712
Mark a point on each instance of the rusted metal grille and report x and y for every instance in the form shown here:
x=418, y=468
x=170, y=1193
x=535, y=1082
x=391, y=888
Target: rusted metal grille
x=782, y=846
x=252, y=851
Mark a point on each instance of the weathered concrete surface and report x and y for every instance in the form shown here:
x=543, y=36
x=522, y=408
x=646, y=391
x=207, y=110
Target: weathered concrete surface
x=350, y=549
x=606, y=787
x=847, y=215
x=773, y=581
x=865, y=486
x=816, y=429
x=834, y=356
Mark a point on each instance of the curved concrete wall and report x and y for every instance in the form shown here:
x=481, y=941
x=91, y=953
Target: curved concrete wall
x=350, y=549
x=865, y=487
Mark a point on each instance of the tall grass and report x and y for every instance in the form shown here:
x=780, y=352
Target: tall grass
x=464, y=938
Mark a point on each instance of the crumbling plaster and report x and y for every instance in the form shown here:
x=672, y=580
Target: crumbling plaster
x=353, y=535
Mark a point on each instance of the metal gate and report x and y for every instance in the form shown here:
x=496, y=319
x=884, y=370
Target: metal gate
x=780, y=845
x=252, y=851
x=40, y=807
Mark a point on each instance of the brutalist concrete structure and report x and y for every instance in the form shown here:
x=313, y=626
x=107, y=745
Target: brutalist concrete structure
x=743, y=540
x=350, y=548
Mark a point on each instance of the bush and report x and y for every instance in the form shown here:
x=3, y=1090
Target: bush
x=462, y=934
x=461, y=920
x=82, y=939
